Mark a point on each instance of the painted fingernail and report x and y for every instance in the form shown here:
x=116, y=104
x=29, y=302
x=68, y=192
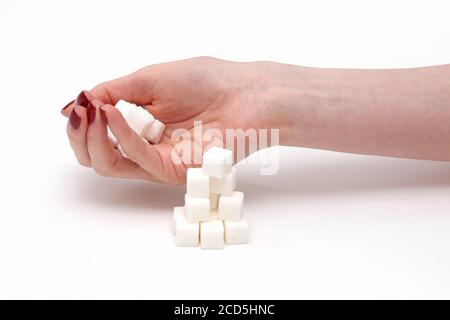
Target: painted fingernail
x=74, y=120
x=103, y=115
x=82, y=100
x=67, y=105
x=90, y=110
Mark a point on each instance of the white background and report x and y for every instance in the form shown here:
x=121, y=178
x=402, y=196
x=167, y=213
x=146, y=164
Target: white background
x=329, y=225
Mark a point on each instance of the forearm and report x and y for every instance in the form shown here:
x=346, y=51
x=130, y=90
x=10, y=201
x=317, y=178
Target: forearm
x=400, y=113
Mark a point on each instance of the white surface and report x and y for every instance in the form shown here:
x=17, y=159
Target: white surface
x=197, y=183
x=329, y=225
x=124, y=107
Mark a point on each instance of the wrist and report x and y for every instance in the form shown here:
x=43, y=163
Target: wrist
x=293, y=95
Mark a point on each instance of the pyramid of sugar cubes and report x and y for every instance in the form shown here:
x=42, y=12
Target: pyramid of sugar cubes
x=141, y=121
x=212, y=214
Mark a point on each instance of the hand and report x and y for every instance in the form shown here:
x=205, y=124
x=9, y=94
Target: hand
x=221, y=94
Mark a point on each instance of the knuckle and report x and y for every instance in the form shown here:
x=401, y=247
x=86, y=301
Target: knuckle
x=84, y=163
x=104, y=171
x=204, y=59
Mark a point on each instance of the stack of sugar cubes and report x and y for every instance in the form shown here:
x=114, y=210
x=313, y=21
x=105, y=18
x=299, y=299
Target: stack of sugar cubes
x=141, y=121
x=212, y=215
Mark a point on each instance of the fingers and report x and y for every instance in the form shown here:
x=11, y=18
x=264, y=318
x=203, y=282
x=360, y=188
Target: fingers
x=105, y=159
x=82, y=100
x=155, y=159
x=76, y=131
x=135, y=87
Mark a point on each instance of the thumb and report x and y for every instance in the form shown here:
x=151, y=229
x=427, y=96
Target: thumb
x=135, y=87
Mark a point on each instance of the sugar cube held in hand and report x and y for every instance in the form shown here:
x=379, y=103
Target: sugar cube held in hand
x=140, y=120
x=217, y=162
x=155, y=132
x=124, y=107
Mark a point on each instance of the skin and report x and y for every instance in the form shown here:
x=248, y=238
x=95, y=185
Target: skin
x=400, y=113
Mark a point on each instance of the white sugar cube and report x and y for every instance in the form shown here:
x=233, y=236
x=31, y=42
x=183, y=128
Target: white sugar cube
x=155, y=132
x=124, y=107
x=197, y=183
x=197, y=208
x=212, y=234
x=236, y=232
x=225, y=185
x=214, y=200
x=230, y=207
x=139, y=120
x=217, y=162
x=186, y=233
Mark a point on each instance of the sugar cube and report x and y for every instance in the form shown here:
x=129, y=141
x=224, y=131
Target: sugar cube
x=197, y=208
x=186, y=233
x=214, y=200
x=212, y=234
x=197, y=183
x=124, y=107
x=230, y=207
x=155, y=132
x=225, y=185
x=236, y=232
x=217, y=162
x=140, y=120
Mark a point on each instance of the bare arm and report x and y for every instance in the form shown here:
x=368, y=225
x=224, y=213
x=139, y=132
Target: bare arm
x=400, y=113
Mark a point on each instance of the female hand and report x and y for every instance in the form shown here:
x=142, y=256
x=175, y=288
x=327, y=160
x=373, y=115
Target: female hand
x=219, y=93
x=380, y=112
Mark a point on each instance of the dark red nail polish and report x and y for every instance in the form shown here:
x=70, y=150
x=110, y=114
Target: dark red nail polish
x=82, y=100
x=74, y=120
x=103, y=115
x=90, y=110
x=67, y=105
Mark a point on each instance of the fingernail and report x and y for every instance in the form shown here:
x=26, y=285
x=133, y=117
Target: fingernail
x=67, y=105
x=82, y=99
x=74, y=120
x=103, y=115
x=90, y=110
